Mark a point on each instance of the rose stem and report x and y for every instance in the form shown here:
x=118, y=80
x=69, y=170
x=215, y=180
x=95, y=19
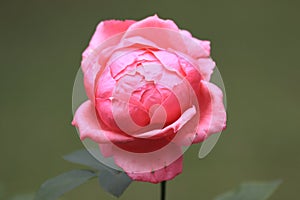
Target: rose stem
x=163, y=190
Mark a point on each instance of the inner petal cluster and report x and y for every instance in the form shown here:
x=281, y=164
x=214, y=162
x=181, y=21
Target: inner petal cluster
x=139, y=92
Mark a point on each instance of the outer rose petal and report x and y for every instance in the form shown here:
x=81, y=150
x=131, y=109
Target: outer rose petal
x=206, y=67
x=214, y=118
x=205, y=45
x=155, y=32
x=90, y=75
x=85, y=119
x=105, y=30
x=164, y=174
x=176, y=39
x=154, y=21
x=153, y=167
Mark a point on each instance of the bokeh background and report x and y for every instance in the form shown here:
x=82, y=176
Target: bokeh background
x=255, y=44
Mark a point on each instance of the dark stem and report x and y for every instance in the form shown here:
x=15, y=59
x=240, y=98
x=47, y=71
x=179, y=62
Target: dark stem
x=163, y=190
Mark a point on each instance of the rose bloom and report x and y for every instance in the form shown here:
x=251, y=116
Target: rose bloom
x=149, y=96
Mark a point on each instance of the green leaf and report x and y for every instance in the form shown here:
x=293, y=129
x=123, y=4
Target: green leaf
x=111, y=180
x=251, y=191
x=83, y=157
x=23, y=197
x=114, y=183
x=57, y=186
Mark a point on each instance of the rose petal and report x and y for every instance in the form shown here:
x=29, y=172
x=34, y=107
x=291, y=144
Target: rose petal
x=154, y=22
x=85, y=119
x=176, y=126
x=197, y=48
x=163, y=164
x=105, y=30
x=89, y=77
x=206, y=67
x=155, y=32
x=169, y=60
x=204, y=43
x=164, y=174
x=91, y=67
x=165, y=34
x=212, y=111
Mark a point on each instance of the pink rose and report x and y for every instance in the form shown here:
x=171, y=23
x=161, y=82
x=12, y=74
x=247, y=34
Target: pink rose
x=149, y=96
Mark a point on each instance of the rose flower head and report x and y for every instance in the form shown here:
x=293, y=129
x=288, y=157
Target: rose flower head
x=149, y=96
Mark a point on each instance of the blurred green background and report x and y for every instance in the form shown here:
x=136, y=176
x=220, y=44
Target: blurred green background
x=256, y=47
